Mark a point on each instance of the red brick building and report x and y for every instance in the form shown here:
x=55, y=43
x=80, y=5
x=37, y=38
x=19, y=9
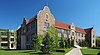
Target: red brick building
x=42, y=21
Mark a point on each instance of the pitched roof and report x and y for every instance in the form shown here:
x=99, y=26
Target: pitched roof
x=62, y=25
x=88, y=30
x=32, y=19
x=67, y=26
x=79, y=30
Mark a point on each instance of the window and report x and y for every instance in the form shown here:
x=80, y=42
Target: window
x=59, y=34
x=65, y=31
x=33, y=25
x=4, y=39
x=28, y=46
x=12, y=39
x=78, y=34
x=59, y=30
x=12, y=34
x=12, y=45
x=93, y=41
x=4, y=44
x=47, y=17
x=73, y=33
x=65, y=35
x=68, y=32
x=46, y=25
x=72, y=26
x=4, y=33
x=82, y=35
x=27, y=38
x=29, y=27
x=93, y=36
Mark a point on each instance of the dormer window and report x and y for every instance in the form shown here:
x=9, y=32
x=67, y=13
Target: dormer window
x=47, y=17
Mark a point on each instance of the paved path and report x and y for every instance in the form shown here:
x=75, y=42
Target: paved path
x=74, y=51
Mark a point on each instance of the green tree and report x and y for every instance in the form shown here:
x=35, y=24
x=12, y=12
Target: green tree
x=98, y=41
x=35, y=43
x=83, y=43
x=47, y=44
x=56, y=40
x=8, y=33
x=40, y=36
x=72, y=43
x=62, y=43
x=54, y=35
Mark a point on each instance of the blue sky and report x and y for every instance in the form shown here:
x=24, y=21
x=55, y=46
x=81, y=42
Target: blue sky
x=84, y=13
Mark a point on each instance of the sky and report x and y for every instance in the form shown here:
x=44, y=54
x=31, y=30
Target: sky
x=84, y=13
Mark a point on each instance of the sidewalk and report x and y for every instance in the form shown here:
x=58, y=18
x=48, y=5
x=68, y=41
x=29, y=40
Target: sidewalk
x=74, y=51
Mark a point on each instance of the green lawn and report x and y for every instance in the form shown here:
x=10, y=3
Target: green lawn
x=90, y=51
x=29, y=52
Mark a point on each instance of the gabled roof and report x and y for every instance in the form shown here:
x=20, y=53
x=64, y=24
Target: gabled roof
x=88, y=30
x=67, y=26
x=61, y=25
x=79, y=30
x=32, y=19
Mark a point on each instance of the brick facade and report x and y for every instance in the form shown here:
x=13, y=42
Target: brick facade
x=42, y=21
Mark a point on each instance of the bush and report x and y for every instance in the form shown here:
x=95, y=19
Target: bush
x=98, y=53
x=60, y=50
x=96, y=47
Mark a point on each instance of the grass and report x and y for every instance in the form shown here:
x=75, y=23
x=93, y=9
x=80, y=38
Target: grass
x=90, y=51
x=30, y=52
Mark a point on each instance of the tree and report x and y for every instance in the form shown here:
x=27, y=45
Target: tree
x=54, y=34
x=83, y=43
x=40, y=36
x=47, y=44
x=62, y=41
x=35, y=43
x=98, y=41
x=69, y=43
x=56, y=40
x=72, y=43
x=8, y=34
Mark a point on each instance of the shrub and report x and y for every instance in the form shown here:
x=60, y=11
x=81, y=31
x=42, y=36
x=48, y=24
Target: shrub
x=60, y=50
x=98, y=53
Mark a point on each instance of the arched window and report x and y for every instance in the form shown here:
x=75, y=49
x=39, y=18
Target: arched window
x=47, y=17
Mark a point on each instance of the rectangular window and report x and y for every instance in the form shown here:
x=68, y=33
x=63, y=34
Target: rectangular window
x=4, y=39
x=4, y=44
x=73, y=33
x=93, y=36
x=68, y=32
x=12, y=45
x=59, y=30
x=29, y=27
x=65, y=33
x=33, y=25
x=27, y=38
x=4, y=33
x=12, y=34
x=93, y=41
x=28, y=46
x=82, y=35
x=78, y=34
x=46, y=25
x=12, y=39
x=59, y=34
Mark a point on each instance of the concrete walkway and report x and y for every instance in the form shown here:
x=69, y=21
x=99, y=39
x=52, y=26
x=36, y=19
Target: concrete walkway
x=74, y=51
